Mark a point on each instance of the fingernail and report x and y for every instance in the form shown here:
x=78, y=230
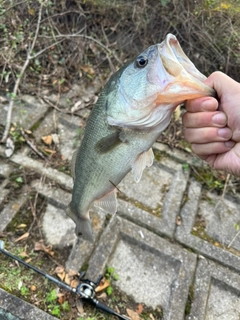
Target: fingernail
x=209, y=104
x=229, y=144
x=219, y=118
x=225, y=133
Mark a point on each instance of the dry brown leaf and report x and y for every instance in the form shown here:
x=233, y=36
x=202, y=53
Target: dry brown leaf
x=79, y=305
x=61, y=298
x=151, y=317
x=67, y=279
x=33, y=288
x=39, y=246
x=59, y=269
x=23, y=237
x=133, y=315
x=72, y=273
x=61, y=275
x=28, y=260
x=139, y=308
x=23, y=254
x=47, y=140
x=103, y=285
x=102, y=296
x=74, y=283
x=87, y=69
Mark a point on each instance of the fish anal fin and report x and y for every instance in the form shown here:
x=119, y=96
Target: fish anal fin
x=108, y=203
x=109, y=142
x=144, y=159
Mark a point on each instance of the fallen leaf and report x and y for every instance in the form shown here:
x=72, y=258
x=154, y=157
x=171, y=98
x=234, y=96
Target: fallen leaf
x=79, y=305
x=74, y=283
x=61, y=298
x=23, y=237
x=28, y=260
x=39, y=246
x=73, y=273
x=67, y=279
x=61, y=275
x=151, y=317
x=103, y=296
x=47, y=139
x=59, y=269
x=21, y=226
x=103, y=285
x=87, y=69
x=178, y=220
x=177, y=113
x=133, y=315
x=23, y=254
x=28, y=131
x=139, y=308
x=77, y=106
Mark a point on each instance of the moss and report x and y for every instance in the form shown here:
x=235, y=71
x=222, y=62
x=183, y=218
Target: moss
x=189, y=300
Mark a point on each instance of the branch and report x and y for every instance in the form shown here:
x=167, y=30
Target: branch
x=16, y=86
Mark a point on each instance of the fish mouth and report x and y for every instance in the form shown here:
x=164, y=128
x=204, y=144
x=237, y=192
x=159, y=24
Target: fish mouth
x=182, y=79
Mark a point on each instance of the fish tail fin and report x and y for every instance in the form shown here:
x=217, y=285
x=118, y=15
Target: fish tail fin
x=83, y=225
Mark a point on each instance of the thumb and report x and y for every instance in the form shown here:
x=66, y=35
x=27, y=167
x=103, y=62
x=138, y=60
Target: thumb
x=222, y=83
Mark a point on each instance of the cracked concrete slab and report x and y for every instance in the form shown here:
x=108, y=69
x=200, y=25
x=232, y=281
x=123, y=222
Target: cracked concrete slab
x=216, y=293
x=13, y=308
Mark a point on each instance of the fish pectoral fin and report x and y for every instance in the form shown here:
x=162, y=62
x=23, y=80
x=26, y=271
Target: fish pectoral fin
x=145, y=159
x=73, y=164
x=108, y=203
x=109, y=142
x=83, y=225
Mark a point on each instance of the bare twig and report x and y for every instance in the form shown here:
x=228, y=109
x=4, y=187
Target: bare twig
x=15, y=90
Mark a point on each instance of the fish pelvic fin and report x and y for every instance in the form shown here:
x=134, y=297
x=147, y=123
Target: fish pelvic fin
x=83, y=225
x=144, y=159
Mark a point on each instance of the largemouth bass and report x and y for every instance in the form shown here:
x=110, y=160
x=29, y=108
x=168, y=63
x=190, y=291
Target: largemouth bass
x=133, y=109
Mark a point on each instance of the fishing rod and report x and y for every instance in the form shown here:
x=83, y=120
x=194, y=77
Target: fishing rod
x=85, y=290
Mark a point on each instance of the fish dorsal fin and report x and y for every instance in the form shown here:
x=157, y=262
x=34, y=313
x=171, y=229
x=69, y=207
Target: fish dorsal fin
x=109, y=142
x=73, y=164
x=144, y=159
x=108, y=203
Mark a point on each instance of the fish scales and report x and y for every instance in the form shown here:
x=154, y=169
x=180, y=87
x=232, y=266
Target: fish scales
x=133, y=109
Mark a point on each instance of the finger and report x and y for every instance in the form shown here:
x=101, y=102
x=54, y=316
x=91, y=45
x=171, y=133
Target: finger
x=201, y=104
x=204, y=119
x=207, y=149
x=207, y=135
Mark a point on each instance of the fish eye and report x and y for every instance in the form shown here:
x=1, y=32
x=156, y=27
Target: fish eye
x=141, y=62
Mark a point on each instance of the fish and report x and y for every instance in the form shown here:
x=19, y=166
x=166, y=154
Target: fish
x=134, y=107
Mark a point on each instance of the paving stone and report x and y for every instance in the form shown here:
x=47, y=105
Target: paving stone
x=221, y=216
x=59, y=229
x=179, y=155
x=184, y=233
x=13, y=308
x=53, y=174
x=150, y=269
x=216, y=293
x=27, y=111
x=10, y=210
x=161, y=190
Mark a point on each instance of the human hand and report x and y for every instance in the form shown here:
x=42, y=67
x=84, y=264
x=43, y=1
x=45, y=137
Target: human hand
x=213, y=128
